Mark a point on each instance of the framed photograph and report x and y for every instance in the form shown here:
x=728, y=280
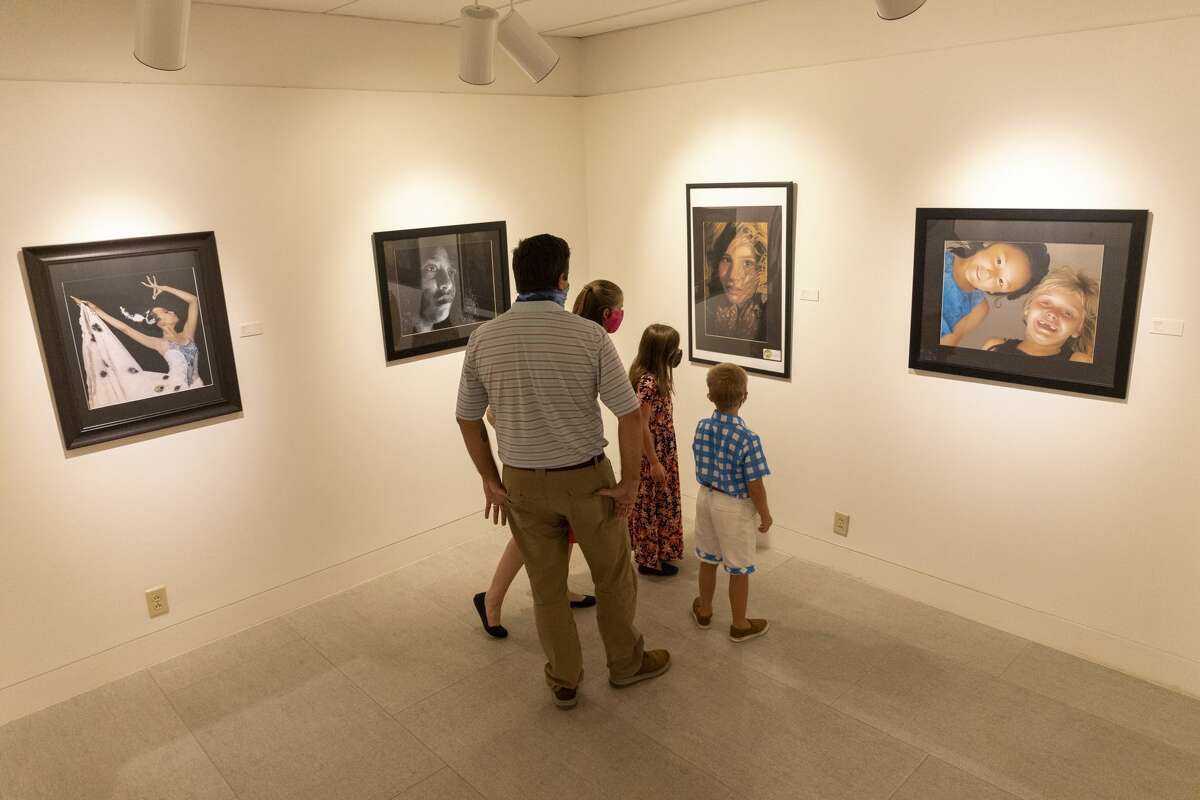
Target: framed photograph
x=135, y=334
x=740, y=275
x=1036, y=297
x=437, y=285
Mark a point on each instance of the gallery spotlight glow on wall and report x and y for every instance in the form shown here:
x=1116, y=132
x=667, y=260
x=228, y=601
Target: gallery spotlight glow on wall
x=895, y=9
x=162, y=33
x=481, y=28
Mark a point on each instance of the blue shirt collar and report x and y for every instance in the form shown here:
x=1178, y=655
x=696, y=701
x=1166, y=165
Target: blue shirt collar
x=728, y=419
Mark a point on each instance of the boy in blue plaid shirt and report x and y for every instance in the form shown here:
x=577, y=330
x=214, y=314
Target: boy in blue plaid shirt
x=730, y=466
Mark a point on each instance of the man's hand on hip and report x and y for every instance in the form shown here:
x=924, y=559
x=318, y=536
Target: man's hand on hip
x=495, y=499
x=623, y=494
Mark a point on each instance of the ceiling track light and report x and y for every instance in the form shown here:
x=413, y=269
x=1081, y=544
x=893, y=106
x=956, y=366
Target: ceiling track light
x=477, y=46
x=897, y=9
x=162, y=33
x=526, y=47
x=481, y=28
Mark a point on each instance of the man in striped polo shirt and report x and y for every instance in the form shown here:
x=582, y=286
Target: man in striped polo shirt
x=541, y=370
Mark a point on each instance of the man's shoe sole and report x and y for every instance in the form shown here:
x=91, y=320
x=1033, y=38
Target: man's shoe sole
x=564, y=703
x=645, y=676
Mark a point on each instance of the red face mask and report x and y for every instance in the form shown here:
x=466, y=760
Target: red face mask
x=614, y=320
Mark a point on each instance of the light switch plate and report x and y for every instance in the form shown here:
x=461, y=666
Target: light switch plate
x=1166, y=327
x=810, y=294
x=251, y=329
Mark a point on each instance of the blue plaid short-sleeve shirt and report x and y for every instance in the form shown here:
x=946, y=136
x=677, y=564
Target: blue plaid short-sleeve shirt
x=728, y=454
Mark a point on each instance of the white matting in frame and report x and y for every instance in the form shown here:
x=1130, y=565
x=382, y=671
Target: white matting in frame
x=740, y=250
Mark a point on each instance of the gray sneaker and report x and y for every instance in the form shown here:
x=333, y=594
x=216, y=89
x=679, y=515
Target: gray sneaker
x=757, y=628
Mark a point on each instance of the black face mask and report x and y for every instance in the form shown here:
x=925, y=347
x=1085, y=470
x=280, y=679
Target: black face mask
x=676, y=359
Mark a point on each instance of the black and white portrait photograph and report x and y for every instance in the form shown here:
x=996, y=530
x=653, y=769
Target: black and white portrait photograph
x=437, y=285
x=135, y=334
x=740, y=275
x=1044, y=298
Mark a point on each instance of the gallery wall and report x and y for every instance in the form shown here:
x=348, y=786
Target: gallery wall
x=337, y=455
x=1068, y=519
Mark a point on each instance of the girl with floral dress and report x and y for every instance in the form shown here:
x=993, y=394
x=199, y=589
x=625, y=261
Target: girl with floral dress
x=656, y=524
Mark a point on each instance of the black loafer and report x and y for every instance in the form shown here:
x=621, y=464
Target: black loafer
x=665, y=570
x=587, y=602
x=495, y=631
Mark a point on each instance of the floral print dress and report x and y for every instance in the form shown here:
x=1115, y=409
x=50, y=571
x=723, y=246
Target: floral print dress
x=656, y=524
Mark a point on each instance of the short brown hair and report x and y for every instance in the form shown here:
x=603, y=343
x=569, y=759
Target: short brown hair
x=727, y=385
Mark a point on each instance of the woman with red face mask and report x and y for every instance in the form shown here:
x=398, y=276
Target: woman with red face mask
x=603, y=303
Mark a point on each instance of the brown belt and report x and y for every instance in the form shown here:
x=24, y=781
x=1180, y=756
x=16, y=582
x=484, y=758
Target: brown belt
x=591, y=462
x=715, y=489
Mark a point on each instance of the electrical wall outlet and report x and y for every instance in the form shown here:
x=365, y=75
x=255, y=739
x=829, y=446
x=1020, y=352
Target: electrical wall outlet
x=156, y=601
x=841, y=523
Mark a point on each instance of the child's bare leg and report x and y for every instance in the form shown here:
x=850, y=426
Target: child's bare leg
x=510, y=563
x=708, y=586
x=574, y=597
x=739, y=596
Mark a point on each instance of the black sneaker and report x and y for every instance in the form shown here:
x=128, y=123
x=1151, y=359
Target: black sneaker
x=564, y=697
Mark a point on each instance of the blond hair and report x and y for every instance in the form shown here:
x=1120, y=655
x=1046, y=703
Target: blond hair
x=1068, y=279
x=727, y=386
x=594, y=298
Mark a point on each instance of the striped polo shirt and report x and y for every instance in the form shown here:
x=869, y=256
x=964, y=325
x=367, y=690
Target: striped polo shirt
x=541, y=368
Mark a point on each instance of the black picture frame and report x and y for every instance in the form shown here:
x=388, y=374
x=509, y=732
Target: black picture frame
x=1106, y=246
x=479, y=262
x=115, y=269
x=772, y=204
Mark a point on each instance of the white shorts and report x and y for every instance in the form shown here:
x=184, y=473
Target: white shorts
x=726, y=531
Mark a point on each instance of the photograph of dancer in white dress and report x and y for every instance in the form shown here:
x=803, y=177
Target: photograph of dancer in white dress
x=127, y=355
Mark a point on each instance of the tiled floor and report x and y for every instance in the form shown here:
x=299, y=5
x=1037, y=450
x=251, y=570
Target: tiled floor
x=392, y=692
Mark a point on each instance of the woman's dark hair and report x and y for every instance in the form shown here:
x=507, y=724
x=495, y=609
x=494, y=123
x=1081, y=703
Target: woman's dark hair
x=1036, y=252
x=715, y=254
x=595, y=297
x=146, y=320
x=538, y=262
x=658, y=344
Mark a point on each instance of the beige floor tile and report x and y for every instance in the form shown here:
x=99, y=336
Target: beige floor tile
x=120, y=742
x=502, y=734
x=445, y=785
x=821, y=654
x=181, y=672
x=1135, y=704
x=396, y=644
x=762, y=738
x=1013, y=738
x=924, y=626
x=937, y=780
x=287, y=724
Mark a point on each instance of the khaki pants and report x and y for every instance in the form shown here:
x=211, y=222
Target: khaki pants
x=541, y=504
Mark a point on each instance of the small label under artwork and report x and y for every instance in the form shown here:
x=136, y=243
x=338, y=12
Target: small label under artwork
x=772, y=355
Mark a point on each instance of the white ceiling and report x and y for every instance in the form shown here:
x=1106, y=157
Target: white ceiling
x=554, y=17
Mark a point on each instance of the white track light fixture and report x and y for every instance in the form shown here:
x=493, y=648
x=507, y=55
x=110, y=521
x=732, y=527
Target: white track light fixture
x=477, y=47
x=162, y=33
x=527, y=47
x=895, y=9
